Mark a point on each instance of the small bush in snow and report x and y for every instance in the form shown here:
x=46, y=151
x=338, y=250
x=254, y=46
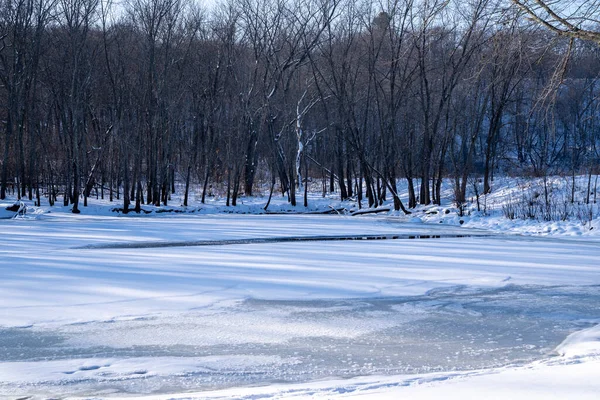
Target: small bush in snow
x=585, y=213
x=556, y=206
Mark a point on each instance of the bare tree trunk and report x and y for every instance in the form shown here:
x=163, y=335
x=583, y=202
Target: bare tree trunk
x=228, y=186
x=305, y=182
x=187, y=185
x=270, y=192
x=205, y=185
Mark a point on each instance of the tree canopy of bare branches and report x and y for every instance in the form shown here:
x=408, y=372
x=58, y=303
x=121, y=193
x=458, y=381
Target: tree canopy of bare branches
x=345, y=96
x=577, y=19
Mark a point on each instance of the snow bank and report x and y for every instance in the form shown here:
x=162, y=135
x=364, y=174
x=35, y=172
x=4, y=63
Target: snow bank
x=579, y=218
x=581, y=343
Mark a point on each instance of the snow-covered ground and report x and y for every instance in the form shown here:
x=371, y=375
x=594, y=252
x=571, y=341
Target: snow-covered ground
x=215, y=305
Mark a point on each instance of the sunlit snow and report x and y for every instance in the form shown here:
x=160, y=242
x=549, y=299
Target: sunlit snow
x=79, y=318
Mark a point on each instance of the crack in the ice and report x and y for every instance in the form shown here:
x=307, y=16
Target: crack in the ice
x=286, y=239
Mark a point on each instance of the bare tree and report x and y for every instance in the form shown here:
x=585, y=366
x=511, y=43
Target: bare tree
x=72, y=91
x=444, y=52
x=23, y=24
x=572, y=18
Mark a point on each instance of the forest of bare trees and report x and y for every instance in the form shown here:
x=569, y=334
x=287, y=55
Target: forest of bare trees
x=136, y=100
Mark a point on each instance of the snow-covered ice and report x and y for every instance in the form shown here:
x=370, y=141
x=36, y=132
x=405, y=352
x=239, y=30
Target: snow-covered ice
x=392, y=317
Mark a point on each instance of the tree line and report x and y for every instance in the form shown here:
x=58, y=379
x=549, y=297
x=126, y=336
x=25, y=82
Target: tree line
x=139, y=99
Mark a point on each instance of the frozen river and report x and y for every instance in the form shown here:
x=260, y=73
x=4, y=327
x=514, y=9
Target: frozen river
x=109, y=319
x=445, y=330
